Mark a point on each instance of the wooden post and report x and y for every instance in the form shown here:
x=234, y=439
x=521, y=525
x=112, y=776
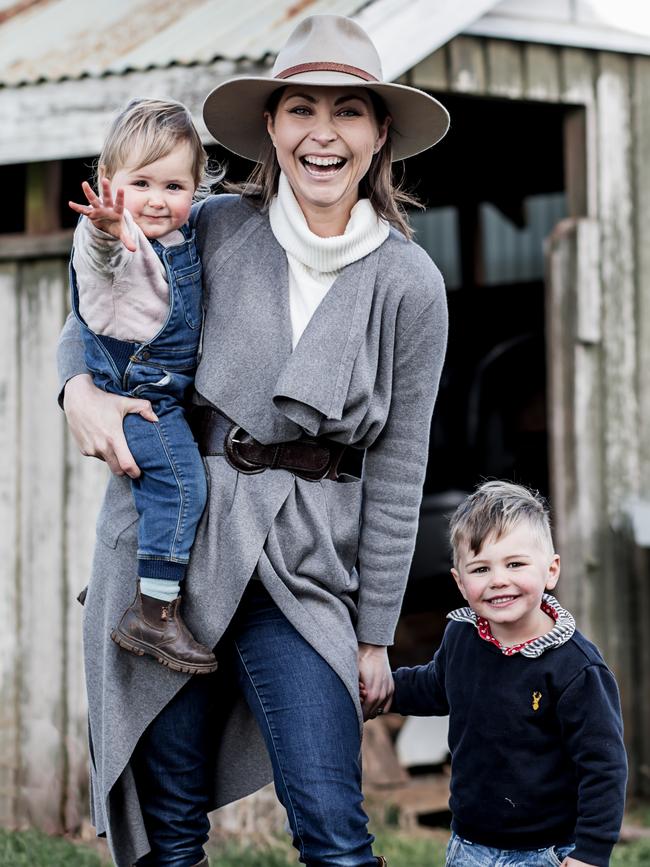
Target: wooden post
x=573, y=361
x=42, y=198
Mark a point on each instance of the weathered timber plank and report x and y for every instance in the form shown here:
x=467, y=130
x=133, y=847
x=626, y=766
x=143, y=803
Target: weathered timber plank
x=541, y=72
x=641, y=568
x=641, y=167
x=66, y=119
x=84, y=488
x=573, y=359
x=619, y=406
x=616, y=198
x=431, y=73
x=15, y=247
x=42, y=632
x=10, y=722
x=578, y=76
x=466, y=65
x=504, y=68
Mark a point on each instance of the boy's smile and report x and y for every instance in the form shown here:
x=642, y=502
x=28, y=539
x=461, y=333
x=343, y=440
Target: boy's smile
x=504, y=583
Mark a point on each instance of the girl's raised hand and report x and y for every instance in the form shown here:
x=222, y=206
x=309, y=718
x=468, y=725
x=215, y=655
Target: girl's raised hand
x=106, y=213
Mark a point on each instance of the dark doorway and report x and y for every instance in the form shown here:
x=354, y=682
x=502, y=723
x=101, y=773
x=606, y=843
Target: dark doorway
x=493, y=189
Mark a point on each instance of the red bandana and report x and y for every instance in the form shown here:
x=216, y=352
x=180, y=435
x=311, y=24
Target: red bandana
x=486, y=633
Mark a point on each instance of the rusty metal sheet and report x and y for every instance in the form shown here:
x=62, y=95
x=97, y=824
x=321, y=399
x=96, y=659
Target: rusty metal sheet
x=50, y=40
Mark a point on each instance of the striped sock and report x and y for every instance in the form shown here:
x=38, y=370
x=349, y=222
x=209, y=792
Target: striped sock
x=160, y=588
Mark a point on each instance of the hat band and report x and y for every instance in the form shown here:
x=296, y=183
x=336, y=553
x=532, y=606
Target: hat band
x=325, y=66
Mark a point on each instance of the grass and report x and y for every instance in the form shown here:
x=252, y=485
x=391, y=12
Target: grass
x=33, y=849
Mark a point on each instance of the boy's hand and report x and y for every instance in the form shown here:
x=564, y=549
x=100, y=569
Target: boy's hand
x=573, y=862
x=107, y=214
x=375, y=680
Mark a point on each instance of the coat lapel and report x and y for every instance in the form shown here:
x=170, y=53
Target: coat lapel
x=248, y=370
x=314, y=382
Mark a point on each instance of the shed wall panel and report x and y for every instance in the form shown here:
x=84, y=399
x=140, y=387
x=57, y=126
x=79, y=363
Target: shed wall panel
x=641, y=167
x=467, y=73
x=42, y=638
x=504, y=69
x=10, y=721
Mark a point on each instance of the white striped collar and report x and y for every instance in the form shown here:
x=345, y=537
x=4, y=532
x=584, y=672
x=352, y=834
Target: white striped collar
x=564, y=628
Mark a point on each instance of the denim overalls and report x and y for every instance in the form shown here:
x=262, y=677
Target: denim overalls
x=170, y=494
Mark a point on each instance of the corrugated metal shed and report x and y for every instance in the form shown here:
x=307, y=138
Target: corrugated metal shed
x=54, y=40
x=49, y=40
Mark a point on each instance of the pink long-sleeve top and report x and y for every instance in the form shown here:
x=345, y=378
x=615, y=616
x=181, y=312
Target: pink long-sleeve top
x=121, y=294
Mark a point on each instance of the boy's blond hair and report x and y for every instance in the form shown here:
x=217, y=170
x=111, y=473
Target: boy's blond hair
x=147, y=130
x=494, y=509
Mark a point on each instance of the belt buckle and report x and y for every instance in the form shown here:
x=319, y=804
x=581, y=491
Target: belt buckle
x=233, y=456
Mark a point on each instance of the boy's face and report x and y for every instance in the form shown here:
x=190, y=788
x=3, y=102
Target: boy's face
x=505, y=580
x=159, y=195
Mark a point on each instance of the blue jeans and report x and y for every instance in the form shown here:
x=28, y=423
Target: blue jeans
x=311, y=730
x=171, y=493
x=463, y=853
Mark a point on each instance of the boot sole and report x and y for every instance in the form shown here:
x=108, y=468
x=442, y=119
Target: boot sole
x=139, y=649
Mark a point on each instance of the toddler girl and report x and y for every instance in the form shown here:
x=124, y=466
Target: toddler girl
x=136, y=289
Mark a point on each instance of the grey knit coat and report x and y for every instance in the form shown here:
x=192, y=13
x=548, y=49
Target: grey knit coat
x=365, y=372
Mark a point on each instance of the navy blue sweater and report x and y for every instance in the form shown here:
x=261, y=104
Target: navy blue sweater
x=537, y=756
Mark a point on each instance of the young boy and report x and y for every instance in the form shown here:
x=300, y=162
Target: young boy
x=135, y=276
x=538, y=765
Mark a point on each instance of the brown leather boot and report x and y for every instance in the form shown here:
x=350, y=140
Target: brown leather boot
x=156, y=628
x=381, y=861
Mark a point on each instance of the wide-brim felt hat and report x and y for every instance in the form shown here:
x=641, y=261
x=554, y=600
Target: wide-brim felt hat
x=327, y=51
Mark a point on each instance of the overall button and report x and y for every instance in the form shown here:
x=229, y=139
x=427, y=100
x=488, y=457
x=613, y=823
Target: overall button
x=145, y=355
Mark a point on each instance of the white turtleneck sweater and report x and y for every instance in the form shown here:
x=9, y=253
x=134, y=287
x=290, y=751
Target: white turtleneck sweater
x=315, y=262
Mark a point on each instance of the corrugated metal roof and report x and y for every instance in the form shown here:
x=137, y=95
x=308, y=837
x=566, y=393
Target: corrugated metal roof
x=50, y=40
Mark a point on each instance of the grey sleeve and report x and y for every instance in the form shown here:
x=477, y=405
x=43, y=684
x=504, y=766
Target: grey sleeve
x=394, y=471
x=70, y=353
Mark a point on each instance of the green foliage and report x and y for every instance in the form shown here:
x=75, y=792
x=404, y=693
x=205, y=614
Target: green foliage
x=33, y=849
x=628, y=854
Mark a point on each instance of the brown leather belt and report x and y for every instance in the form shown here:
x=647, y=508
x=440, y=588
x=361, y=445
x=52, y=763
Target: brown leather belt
x=310, y=458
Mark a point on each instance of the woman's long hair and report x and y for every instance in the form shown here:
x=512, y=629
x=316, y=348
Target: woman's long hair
x=387, y=196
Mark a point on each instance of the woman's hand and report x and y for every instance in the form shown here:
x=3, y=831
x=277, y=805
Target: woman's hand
x=375, y=680
x=96, y=420
x=106, y=214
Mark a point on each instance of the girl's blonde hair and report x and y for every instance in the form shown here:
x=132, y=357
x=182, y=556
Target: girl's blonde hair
x=147, y=130
x=386, y=195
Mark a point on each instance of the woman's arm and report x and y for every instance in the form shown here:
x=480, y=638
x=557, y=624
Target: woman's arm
x=394, y=470
x=94, y=416
x=393, y=476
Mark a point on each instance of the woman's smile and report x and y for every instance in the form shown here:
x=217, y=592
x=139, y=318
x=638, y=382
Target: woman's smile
x=322, y=166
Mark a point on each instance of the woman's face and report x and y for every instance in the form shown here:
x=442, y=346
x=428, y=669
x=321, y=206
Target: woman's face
x=325, y=138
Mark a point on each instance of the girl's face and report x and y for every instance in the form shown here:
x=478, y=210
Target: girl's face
x=159, y=195
x=325, y=138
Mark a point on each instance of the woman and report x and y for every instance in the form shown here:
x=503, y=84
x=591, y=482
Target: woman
x=324, y=336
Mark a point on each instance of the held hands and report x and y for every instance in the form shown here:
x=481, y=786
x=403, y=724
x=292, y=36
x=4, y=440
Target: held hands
x=95, y=418
x=107, y=214
x=375, y=680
